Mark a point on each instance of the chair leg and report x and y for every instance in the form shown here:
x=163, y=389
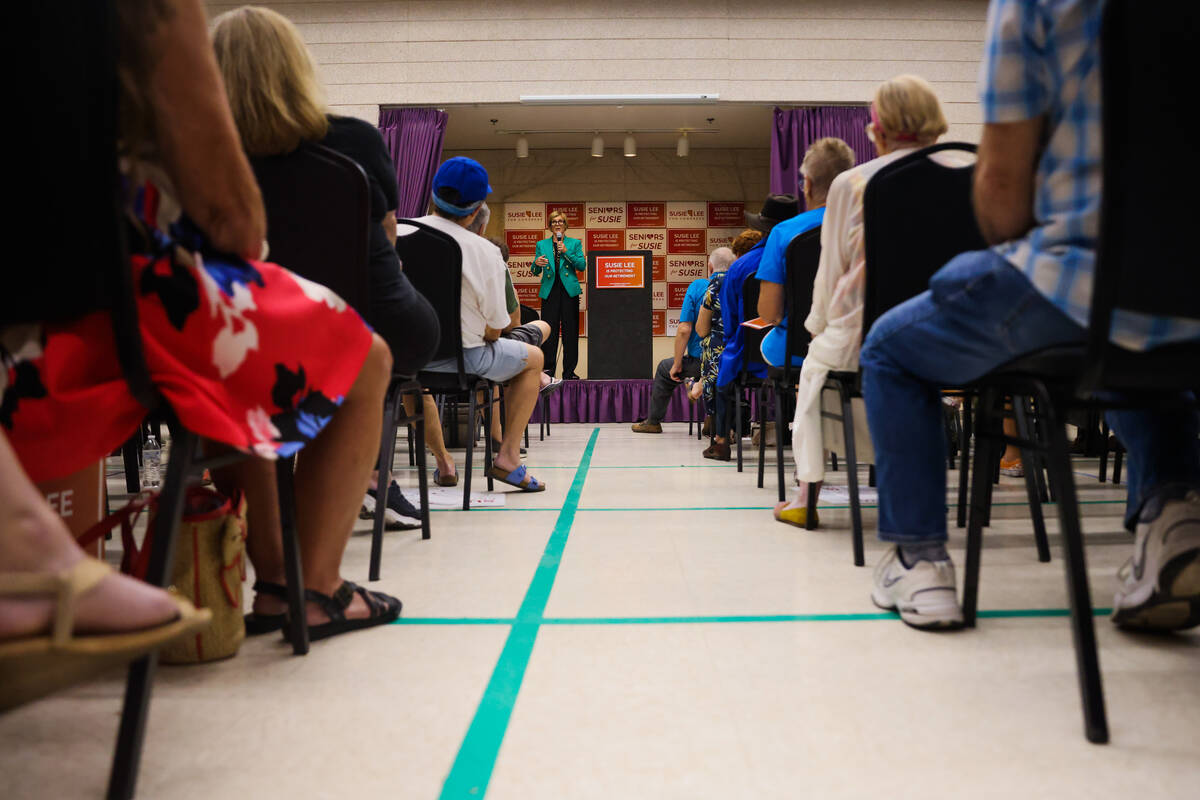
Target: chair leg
x=810, y=507
x=488, y=455
x=412, y=454
x=422, y=478
x=833, y=461
x=762, y=433
x=852, y=475
x=1029, y=458
x=980, y=486
x=387, y=451
x=128, y=754
x=964, y=461
x=779, y=426
x=737, y=421
x=871, y=475
x=129, y=456
x=1103, y=451
x=291, y=555
x=1117, y=454
x=1095, y=724
x=470, y=451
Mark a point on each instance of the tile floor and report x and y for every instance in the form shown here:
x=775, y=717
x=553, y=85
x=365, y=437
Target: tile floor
x=643, y=629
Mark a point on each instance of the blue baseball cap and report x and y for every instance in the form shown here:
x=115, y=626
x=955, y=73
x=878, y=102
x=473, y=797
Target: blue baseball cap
x=467, y=177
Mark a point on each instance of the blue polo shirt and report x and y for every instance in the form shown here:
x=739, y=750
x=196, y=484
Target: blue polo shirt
x=773, y=268
x=734, y=313
x=691, y=310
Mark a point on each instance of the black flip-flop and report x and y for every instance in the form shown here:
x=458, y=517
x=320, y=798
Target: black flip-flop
x=384, y=609
x=258, y=624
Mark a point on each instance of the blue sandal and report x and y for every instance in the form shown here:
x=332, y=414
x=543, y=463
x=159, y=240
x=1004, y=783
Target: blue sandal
x=519, y=478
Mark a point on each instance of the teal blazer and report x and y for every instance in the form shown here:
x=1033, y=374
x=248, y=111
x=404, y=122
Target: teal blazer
x=569, y=263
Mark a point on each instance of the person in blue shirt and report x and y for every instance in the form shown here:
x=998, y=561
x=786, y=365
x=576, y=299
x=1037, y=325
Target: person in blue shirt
x=684, y=364
x=825, y=160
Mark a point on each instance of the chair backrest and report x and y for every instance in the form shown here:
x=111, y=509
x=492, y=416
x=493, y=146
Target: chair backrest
x=802, y=257
x=528, y=314
x=319, y=218
x=77, y=193
x=751, y=338
x=917, y=215
x=433, y=263
x=1146, y=255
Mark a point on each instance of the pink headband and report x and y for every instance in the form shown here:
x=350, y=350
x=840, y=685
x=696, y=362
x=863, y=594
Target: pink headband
x=899, y=137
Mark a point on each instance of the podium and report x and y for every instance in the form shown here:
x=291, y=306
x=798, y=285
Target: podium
x=620, y=343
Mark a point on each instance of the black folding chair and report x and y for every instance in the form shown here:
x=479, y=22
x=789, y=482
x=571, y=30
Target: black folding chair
x=433, y=262
x=318, y=226
x=1145, y=263
x=801, y=258
x=748, y=382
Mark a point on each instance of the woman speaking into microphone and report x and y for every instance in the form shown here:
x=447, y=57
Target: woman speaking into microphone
x=561, y=257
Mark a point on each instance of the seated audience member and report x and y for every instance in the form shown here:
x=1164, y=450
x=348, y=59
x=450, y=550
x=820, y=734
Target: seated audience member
x=905, y=115
x=459, y=189
x=826, y=159
x=776, y=209
x=686, y=361
x=711, y=329
x=1037, y=200
x=240, y=349
x=276, y=102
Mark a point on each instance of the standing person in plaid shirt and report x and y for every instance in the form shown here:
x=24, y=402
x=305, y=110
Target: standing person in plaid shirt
x=1037, y=199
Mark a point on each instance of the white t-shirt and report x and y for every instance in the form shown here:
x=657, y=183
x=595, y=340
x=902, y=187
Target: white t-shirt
x=482, y=281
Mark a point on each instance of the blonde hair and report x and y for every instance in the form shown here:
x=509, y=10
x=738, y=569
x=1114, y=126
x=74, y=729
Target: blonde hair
x=745, y=240
x=558, y=215
x=270, y=80
x=825, y=160
x=906, y=105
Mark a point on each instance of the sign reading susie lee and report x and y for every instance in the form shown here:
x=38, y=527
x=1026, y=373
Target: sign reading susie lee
x=620, y=272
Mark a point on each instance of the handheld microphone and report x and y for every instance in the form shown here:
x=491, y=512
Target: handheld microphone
x=558, y=237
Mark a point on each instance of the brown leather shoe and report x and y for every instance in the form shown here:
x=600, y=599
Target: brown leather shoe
x=717, y=452
x=647, y=427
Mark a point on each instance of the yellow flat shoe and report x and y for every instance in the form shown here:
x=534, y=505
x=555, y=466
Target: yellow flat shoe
x=34, y=666
x=795, y=516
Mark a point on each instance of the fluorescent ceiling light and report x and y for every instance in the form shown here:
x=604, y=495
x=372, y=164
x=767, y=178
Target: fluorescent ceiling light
x=618, y=99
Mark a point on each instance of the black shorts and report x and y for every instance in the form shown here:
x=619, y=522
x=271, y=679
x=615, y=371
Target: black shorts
x=529, y=333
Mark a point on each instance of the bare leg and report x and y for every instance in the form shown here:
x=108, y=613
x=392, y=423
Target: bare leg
x=433, y=434
x=1011, y=452
x=520, y=396
x=34, y=539
x=264, y=542
x=800, y=497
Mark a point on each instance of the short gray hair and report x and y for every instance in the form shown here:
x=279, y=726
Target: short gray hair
x=479, y=224
x=720, y=259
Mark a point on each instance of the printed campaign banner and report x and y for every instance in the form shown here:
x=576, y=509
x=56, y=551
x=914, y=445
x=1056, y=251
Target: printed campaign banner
x=527, y=295
x=521, y=269
x=658, y=270
x=605, y=215
x=686, y=241
x=720, y=237
x=573, y=212
x=525, y=216
x=522, y=242
x=646, y=215
x=686, y=268
x=658, y=296
x=687, y=215
x=652, y=239
x=726, y=215
x=604, y=239
x=658, y=323
x=620, y=272
x=672, y=322
x=675, y=294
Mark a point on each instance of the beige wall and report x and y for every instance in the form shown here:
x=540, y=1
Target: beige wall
x=432, y=52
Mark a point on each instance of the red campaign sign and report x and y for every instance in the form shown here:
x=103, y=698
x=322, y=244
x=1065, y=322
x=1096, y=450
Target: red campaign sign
x=675, y=294
x=527, y=294
x=583, y=323
x=689, y=241
x=573, y=212
x=522, y=243
x=726, y=215
x=606, y=239
x=658, y=268
x=658, y=323
x=646, y=215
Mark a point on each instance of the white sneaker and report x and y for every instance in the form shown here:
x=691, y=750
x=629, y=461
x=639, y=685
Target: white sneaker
x=1160, y=584
x=924, y=595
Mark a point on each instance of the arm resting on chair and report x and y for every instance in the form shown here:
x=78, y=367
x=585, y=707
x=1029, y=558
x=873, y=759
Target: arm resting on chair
x=1003, y=190
x=770, y=301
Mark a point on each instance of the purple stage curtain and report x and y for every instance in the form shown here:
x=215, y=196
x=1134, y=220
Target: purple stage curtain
x=414, y=138
x=797, y=128
x=612, y=401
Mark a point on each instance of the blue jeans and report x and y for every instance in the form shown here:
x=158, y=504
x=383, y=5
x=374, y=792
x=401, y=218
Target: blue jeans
x=978, y=314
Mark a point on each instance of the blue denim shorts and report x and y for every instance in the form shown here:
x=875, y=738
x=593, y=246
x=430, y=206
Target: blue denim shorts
x=497, y=361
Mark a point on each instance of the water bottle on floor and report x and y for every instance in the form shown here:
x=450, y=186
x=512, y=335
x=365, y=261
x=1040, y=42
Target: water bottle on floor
x=151, y=463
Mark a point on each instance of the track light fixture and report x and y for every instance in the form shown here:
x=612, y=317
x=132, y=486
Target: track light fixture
x=681, y=145
x=522, y=148
x=630, y=146
x=598, y=146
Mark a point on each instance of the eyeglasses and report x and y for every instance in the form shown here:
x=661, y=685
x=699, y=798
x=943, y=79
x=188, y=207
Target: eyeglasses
x=558, y=222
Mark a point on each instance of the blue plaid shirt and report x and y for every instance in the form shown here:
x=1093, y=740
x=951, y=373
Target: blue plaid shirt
x=1041, y=57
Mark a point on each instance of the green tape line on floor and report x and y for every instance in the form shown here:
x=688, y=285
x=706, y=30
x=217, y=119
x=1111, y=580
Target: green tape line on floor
x=472, y=769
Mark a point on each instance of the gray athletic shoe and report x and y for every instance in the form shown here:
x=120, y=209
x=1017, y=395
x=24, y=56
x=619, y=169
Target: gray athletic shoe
x=924, y=594
x=1160, y=584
